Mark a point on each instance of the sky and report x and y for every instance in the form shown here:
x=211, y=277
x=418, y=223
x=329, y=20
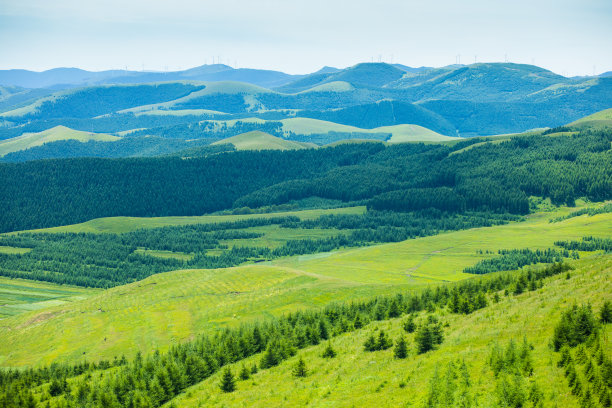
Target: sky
x=300, y=36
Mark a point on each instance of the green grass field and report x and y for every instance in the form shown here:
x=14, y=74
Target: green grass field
x=597, y=120
x=359, y=379
x=119, y=225
x=172, y=307
x=19, y=296
x=13, y=250
x=54, y=134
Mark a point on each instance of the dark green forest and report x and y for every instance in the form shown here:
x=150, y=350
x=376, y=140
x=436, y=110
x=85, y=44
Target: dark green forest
x=490, y=178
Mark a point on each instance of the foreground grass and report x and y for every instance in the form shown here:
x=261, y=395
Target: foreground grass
x=358, y=379
x=173, y=307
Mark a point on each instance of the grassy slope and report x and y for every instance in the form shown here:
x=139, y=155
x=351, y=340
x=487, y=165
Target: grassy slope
x=173, y=306
x=400, y=133
x=212, y=88
x=358, y=379
x=597, y=120
x=54, y=134
x=19, y=296
x=119, y=225
x=257, y=140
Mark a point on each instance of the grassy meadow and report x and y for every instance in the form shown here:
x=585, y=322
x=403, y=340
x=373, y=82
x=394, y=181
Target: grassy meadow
x=172, y=307
x=358, y=379
x=20, y=296
x=257, y=140
x=118, y=225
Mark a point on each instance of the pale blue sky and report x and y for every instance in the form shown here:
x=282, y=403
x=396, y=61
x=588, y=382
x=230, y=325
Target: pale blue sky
x=297, y=36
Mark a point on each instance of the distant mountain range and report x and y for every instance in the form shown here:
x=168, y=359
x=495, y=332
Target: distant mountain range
x=61, y=78
x=214, y=102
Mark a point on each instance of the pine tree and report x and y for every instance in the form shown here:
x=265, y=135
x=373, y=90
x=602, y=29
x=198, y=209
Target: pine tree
x=300, y=368
x=357, y=324
x=384, y=342
x=605, y=315
x=245, y=373
x=329, y=352
x=254, y=369
x=424, y=339
x=394, y=309
x=409, y=324
x=521, y=285
x=401, y=350
x=257, y=341
x=370, y=344
x=323, y=331
x=270, y=357
x=228, y=384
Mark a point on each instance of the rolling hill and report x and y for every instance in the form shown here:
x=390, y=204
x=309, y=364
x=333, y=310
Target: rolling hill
x=478, y=82
x=458, y=100
x=364, y=75
x=398, y=133
x=384, y=113
x=55, y=134
x=257, y=140
x=76, y=103
x=598, y=120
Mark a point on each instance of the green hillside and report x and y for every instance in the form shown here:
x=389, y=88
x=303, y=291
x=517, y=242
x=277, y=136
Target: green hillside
x=484, y=82
x=309, y=126
x=20, y=296
x=359, y=378
x=257, y=140
x=174, y=306
x=364, y=75
x=597, y=120
x=55, y=134
x=76, y=103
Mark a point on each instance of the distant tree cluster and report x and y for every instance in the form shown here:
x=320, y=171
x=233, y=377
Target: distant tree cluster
x=509, y=260
x=587, y=244
x=590, y=211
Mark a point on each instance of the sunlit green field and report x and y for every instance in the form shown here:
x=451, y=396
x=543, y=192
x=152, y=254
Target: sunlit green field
x=359, y=379
x=13, y=250
x=174, y=306
x=19, y=296
x=119, y=225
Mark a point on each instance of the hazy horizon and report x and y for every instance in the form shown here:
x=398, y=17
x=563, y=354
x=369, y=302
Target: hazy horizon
x=567, y=37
